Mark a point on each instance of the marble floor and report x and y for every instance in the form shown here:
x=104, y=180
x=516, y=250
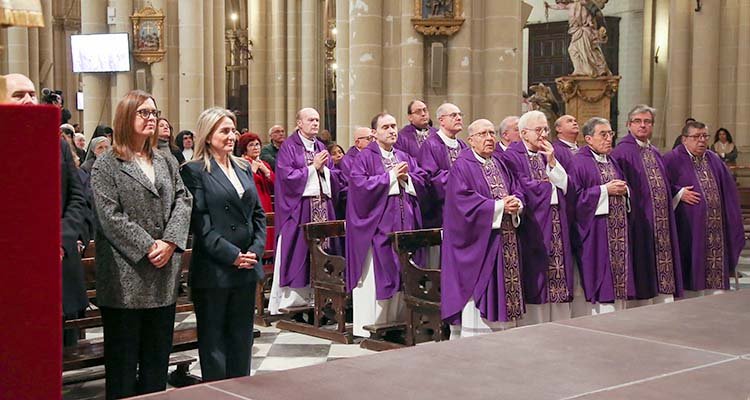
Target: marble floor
x=277, y=350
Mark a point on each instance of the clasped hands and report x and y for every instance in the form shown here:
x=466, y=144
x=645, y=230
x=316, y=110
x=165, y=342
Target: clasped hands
x=160, y=253
x=616, y=187
x=246, y=260
x=512, y=204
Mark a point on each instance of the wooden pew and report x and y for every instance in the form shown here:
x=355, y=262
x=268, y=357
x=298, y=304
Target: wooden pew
x=421, y=287
x=263, y=290
x=328, y=281
x=745, y=208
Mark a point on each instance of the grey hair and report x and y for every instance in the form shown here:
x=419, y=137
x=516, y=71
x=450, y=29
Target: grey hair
x=589, y=127
x=479, y=123
x=442, y=110
x=505, y=123
x=526, y=119
x=642, y=108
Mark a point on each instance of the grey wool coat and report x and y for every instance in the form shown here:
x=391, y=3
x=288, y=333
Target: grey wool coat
x=132, y=214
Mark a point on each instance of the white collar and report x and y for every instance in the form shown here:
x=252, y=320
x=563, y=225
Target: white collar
x=502, y=146
x=693, y=156
x=642, y=144
x=571, y=145
x=480, y=158
x=309, y=144
x=452, y=143
x=602, y=158
x=528, y=151
x=387, y=154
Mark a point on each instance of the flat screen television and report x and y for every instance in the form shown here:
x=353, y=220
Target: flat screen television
x=107, y=52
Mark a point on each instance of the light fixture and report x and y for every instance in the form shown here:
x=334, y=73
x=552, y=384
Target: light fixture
x=234, y=17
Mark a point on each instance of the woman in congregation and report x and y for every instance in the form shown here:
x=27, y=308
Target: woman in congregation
x=166, y=142
x=184, y=142
x=143, y=210
x=263, y=175
x=97, y=146
x=229, y=234
x=724, y=146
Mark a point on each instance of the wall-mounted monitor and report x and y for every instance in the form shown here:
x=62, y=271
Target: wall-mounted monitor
x=109, y=52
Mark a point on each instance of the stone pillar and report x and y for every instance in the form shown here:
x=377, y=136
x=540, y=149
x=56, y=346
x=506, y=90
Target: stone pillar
x=122, y=82
x=258, y=101
x=391, y=65
x=219, y=55
x=160, y=70
x=294, y=64
x=412, y=64
x=677, y=105
x=208, y=49
x=34, y=56
x=18, y=50
x=309, y=77
x=343, y=126
x=459, y=85
x=171, y=68
x=365, y=62
x=191, y=62
x=275, y=60
x=95, y=100
x=46, y=54
x=741, y=130
x=704, y=84
x=630, y=61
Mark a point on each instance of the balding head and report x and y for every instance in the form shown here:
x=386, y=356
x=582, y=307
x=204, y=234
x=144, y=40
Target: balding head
x=508, y=130
x=567, y=128
x=482, y=137
x=450, y=118
x=362, y=137
x=308, y=122
x=19, y=90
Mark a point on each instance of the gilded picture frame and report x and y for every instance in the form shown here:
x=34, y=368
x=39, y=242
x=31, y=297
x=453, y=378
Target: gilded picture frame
x=148, y=35
x=438, y=17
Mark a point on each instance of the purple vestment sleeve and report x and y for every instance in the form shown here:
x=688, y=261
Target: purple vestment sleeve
x=434, y=160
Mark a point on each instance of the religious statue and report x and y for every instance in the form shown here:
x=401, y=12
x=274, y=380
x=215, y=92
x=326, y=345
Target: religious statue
x=542, y=99
x=587, y=31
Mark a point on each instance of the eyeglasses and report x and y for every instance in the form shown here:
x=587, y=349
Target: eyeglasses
x=698, y=137
x=367, y=138
x=639, y=121
x=145, y=114
x=542, y=130
x=253, y=144
x=606, y=134
x=485, y=134
x=419, y=111
x=454, y=115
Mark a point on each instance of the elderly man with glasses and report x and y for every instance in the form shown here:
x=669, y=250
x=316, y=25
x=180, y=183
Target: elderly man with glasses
x=547, y=254
x=653, y=233
x=602, y=222
x=709, y=223
x=436, y=156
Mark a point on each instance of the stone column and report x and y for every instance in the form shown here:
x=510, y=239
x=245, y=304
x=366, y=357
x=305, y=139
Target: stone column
x=95, y=100
x=631, y=58
x=705, y=65
x=191, y=62
x=257, y=77
x=294, y=22
x=171, y=69
x=122, y=82
x=343, y=126
x=308, y=61
x=741, y=130
x=34, y=56
x=18, y=50
x=391, y=65
x=365, y=62
x=276, y=70
x=412, y=64
x=46, y=54
x=459, y=85
x=219, y=55
x=159, y=71
x=208, y=57
x=677, y=105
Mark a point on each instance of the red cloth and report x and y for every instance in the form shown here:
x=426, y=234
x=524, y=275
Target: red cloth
x=31, y=293
x=264, y=185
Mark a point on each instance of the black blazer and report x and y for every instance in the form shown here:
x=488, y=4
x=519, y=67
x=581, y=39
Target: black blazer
x=75, y=214
x=223, y=225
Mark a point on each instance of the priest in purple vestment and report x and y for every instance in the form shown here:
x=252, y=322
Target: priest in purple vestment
x=547, y=256
x=383, y=187
x=305, y=185
x=601, y=220
x=508, y=133
x=709, y=220
x=436, y=156
x=480, y=267
x=362, y=137
x=653, y=233
x=566, y=143
x=412, y=136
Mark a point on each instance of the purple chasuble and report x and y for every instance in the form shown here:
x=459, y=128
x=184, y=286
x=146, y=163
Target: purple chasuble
x=653, y=232
x=372, y=215
x=292, y=209
x=605, y=258
x=564, y=153
x=436, y=159
x=411, y=138
x=544, y=234
x=345, y=166
x=711, y=232
x=477, y=261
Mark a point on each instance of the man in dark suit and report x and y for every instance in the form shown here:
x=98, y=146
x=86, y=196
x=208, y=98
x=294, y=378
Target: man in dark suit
x=20, y=90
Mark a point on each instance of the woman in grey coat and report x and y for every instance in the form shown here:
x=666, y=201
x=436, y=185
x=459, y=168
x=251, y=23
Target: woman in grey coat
x=143, y=212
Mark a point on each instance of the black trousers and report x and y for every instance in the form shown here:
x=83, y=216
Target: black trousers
x=225, y=330
x=137, y=344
